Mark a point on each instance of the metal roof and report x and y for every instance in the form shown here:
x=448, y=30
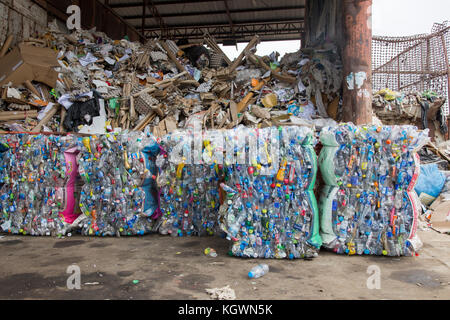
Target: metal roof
x=223, y=19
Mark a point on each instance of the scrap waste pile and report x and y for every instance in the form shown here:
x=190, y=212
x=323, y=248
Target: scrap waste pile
x=155, y=85
x=421, y=109
x=159, y=142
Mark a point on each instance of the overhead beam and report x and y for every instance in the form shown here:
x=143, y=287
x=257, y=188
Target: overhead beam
x=218, y=12
x=268, y=32
x=159, y=3
x=236, y=24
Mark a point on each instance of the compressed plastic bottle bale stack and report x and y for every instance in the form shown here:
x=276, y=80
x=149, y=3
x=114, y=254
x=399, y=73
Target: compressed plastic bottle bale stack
x=189, y=184
x=369, y=205
x=142, y=150
x=38, y=173
x=271, y=210
x=118, y=198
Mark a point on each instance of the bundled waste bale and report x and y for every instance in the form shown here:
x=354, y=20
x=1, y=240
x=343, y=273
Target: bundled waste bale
x=38, y=174
x=422, y=109
x=393, y=107
x=118, y=197
x=189, y=183
x=271, y=210
x=369, y=205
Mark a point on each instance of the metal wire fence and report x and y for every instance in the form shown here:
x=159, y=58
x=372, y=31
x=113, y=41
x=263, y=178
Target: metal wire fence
x=413, y=64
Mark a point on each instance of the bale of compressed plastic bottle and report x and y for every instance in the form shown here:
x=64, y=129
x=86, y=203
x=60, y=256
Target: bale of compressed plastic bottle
x=119, y=193
x=368, y=205
x=38, y=173
x=271, y=211
x=188, y=183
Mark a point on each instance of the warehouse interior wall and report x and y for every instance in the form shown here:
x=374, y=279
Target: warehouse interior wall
x=21, y=18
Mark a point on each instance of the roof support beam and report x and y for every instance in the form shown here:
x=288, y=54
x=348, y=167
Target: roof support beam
x=207, y=13
x=157, y=16
x=237, y=24
x=229, y=18
x=267, y=31
x=159, y=3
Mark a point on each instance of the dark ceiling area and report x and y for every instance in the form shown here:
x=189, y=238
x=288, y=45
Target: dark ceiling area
x=228, y=21
x=237, y=20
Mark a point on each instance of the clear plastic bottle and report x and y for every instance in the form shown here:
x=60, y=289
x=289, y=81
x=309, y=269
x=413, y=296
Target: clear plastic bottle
x=372, y=194
x=258, y=271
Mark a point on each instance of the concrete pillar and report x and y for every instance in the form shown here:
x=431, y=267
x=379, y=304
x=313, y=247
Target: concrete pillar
x=357, y=59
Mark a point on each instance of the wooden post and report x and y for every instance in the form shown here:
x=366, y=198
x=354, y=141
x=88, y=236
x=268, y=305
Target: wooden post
x=357, y=58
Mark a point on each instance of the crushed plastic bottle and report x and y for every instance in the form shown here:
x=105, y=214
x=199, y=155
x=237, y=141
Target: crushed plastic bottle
x=210, y=252
x=368, y=206
x=38, y=173
x=189, y=186
x=270, y=210
x=258, y=271
x=118, y=196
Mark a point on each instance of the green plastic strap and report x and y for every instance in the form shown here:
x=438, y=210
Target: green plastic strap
x=315, y=239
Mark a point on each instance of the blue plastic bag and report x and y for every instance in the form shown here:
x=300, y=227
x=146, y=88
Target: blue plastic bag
x=431, y=181
x=150, y=152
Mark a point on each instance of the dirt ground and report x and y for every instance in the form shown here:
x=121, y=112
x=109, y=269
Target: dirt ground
x=176, y=268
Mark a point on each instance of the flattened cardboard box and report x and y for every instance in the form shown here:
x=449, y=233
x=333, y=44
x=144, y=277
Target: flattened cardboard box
x=29, y=63
x=441, y=213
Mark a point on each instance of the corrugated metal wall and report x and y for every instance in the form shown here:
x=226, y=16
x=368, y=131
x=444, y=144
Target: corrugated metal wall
x=25, y=18
x=22, y=18
x=94, y=14
x=324, y=22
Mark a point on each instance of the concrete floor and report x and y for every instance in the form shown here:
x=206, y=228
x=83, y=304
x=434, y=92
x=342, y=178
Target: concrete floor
x=171, y=269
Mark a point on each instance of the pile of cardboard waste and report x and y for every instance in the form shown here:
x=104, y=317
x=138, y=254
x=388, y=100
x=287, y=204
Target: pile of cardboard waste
x=87, y=83
x=393, y=107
